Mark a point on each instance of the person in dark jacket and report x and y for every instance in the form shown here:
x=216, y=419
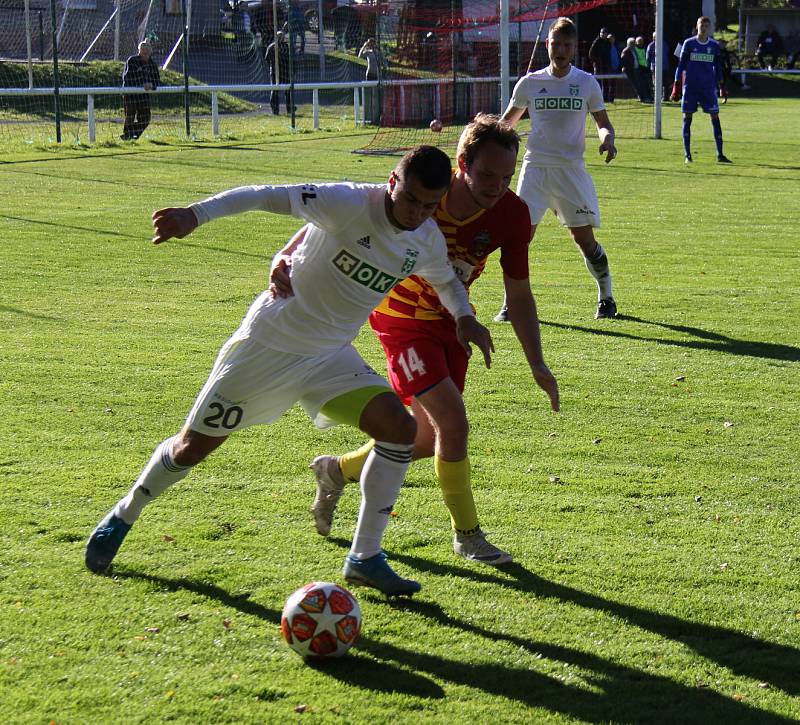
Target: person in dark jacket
x=140, y=72
x=600, y=56
x=277, y=56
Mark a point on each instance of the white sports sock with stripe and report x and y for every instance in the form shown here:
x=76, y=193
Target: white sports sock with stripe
x=158, y=475
x=381, y=480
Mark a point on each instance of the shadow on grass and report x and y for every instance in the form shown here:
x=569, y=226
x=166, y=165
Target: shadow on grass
x=707, y=340
x=746, y=656
x=609, y=693
x=362, y=671
x=71, y=226
x=27, y=313
x=617, y=693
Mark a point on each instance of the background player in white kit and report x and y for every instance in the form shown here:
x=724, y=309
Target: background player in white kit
x=553, y=171
x=360, y=241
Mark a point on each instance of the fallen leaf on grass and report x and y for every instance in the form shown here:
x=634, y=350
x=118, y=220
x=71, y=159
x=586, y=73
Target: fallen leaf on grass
x=597, y=440
x=680, y=378
x=301, y=708
x=226, y=623
x=554, y=479
x=183, y=616
x=764, y=685
x=154, y=630
x=169, y=539
x=728, y=424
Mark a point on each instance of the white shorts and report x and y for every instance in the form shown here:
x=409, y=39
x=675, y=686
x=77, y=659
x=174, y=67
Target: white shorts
x=568, y=191
x=252, y=384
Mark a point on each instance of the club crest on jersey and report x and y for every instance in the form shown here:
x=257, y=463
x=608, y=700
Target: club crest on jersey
x=574, y=89
x=481, y=243
x=410, y=261
x=363, y=273
x=558, y=103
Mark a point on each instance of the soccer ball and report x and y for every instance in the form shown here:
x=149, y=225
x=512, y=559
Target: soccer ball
x=436, y=125
x=321, y=620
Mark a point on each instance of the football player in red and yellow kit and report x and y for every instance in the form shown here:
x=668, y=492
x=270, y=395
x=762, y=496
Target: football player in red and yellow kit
x=427, y=365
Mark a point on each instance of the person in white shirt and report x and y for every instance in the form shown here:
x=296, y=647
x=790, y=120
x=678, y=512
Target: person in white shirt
x=359, y=241
x=553, y=174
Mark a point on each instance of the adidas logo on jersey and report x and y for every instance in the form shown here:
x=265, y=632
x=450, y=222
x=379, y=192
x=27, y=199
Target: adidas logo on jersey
x=544, y=90
x=584, y=211
x=364, y=242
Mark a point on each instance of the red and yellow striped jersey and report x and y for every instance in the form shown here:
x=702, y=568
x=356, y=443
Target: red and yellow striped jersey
x=506, y=226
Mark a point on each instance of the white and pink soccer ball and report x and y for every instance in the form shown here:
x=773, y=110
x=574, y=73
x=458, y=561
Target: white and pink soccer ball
x=321, y=620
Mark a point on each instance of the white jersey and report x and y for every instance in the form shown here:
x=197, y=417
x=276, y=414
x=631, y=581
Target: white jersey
x=350, y=257
x=558, y=109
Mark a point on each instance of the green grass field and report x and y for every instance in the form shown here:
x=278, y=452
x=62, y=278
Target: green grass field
x=654, y=520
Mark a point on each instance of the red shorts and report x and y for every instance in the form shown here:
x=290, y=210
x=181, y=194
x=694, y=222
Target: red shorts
x=420, y=353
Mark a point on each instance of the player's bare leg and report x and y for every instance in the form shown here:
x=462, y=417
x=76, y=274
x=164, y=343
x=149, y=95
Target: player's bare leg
x=171, y=461
x=597, y=263
x=442, y=409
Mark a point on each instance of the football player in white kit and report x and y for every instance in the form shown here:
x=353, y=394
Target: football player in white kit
x=553, y=173
x=359, y=241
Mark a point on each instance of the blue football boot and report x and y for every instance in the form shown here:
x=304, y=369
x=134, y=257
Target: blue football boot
x=376, y=573
x=104, y=542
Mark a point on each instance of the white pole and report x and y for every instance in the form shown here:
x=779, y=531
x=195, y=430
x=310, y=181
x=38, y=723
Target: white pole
x=28, y=41
x=172, y=52
x=63, y=20
x=356, y=114
x=277, y=59
x=188, y=22
x=90, y=117
x=97, y=37
x=315, y=106
x=215, y=113
x=505, y=66
x=321, y=36
x=658, y=85
x=740, y=35
x=118, y=11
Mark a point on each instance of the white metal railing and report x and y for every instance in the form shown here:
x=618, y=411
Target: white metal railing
x=357, y=87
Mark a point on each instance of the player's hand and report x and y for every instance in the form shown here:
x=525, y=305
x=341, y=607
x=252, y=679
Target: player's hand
x=280, y=281
x=173, y=222
x=547, y=382
x=723, y=92
x=470, y=330
x=609, y=149
x=676, y=92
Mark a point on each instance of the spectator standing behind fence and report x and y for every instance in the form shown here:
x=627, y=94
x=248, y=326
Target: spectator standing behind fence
x=614, y=53
x=600, y=55
x=372, y=54
x=297, y=28
x=666, y=75
x=770, y=44
x=278, y=72
x=792, y=49
x=629, y=65
x=140, y=72
x=643, y=70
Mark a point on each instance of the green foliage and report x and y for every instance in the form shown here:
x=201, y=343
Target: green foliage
x=654, y=520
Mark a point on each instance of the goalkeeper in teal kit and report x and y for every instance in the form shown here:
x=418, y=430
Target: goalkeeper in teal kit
x=700, y=68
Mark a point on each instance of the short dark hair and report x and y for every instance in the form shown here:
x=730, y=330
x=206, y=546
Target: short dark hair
x=429, y=164
x=563, y=26
x=486, y=128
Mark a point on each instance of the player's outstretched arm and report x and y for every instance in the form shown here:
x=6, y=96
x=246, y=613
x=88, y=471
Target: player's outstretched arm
x=470, y=330
x=605, y=132
x=173, y=223
x=525, y=321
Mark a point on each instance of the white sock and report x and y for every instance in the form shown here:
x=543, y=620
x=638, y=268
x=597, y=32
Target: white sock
x=381, y=480
x=598, y=268
x=158, y=475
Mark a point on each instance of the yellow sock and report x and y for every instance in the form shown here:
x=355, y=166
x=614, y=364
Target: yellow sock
x=454, y=479
x=351, y=463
